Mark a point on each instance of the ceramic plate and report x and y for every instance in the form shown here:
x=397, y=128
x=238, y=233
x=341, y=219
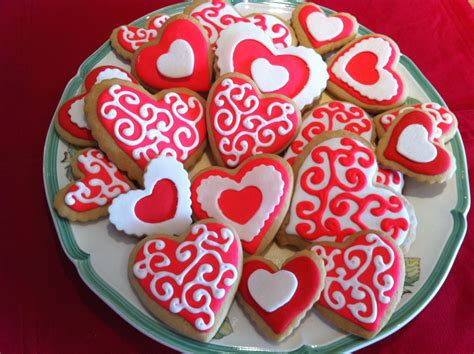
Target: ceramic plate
x=100, y=253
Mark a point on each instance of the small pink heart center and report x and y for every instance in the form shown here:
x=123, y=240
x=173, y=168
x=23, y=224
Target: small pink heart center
x=362, y=68
x=160, y=205
x=240, y=206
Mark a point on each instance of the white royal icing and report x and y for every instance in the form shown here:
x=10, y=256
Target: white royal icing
x=357, y=259
x=266, y=178
x=269, y=77
x=272, y=290
x=322, y=27
x=122, y=210
x=236, y=33
x=178, y=62
x=414, y=144
x=207, y=283
x=77, y=114
x=112, y=73
x=387, y=86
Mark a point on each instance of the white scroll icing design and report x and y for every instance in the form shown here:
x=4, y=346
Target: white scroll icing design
x=143, y=35
x=357, y=259
x=153, y=123
x=229, y=119
x=203, y=288
x=94, y=162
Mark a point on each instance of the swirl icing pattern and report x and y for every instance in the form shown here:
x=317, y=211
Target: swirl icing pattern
x=131, y=38
x=191, y=278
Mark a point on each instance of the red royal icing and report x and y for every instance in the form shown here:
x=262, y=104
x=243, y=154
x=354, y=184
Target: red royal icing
x=445, y=119
x=348, y=26
x=390, y=178
x=102, y=182
x=309, y=281
x=243, y=208
x=245, y=124
x=441, y=163
x=144, y=127
x=362, y=279
x=164, y=195
x=146, y=62
x=192, y=278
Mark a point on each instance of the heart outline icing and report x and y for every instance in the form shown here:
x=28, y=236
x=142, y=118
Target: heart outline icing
x=123, y=210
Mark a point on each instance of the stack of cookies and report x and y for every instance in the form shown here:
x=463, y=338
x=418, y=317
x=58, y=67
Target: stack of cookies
x=309, y=141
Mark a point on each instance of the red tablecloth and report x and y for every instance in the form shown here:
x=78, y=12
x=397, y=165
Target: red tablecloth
x=45, y=307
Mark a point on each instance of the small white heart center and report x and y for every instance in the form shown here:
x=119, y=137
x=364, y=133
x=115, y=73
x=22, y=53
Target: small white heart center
x=178, y=62
x=272, y=290
x=414, y=144
x=268, y=77
x=324, y=28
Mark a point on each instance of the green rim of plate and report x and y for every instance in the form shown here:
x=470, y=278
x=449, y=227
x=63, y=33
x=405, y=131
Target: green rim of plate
x=160, y=332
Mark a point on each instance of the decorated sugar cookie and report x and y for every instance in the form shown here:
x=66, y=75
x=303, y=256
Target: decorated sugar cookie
x=163, y=207
x=334, y=115
x=277, y=299
x=323, y=33
x=364, y=72
x=127, y=39
x=70, y=122
x=180, y=56
x=188, y=282
x=336, y=195
x=390, y=178
x=364, y=282
x=133, y=127
x=446, y=122
x=412, y=145
x=243, y=122
x=253, y=198
x=98, y=183
x=296, y=72
x=217, y=15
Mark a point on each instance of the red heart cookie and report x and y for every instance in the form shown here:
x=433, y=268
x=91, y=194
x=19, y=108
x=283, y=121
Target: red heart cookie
x=364, y=73
x=180, y=56
x=409, y=146
x=446, y=122
x=278, y=299
x=253, y=198
x=99, y=181
x=164, y=206
x=217, y=15
x=70, y=122
x=336, y=195
x=364, y=282
x=296, y=72
x=334, y=115
x=188, y=282
x=127, y=39
x=133, y=127
x=323, y=33
x=243, y=122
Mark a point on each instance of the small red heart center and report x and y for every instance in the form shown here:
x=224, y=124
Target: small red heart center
x=362, y=68
x=240, y=206
x=160, y=205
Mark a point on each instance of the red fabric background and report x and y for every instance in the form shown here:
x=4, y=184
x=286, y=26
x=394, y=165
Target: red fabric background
x=45, y=307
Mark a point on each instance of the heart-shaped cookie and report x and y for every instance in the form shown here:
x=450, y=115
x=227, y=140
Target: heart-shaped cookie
x=253, y=198
x=188, y=282
x=364, y=72
x=446, y=122
x=217, y=15
x=164, y=206
x=98, y=182
x=334, y=115
x=127, y=39
x=390, y=178
x=133, y=127
x=277, y=299
x=336, y=195
x=411, y=145
x=323, y=33
x=364, y=282
x=70, y=122
x=242, y=122
x=180, y=56
x=243, y=48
